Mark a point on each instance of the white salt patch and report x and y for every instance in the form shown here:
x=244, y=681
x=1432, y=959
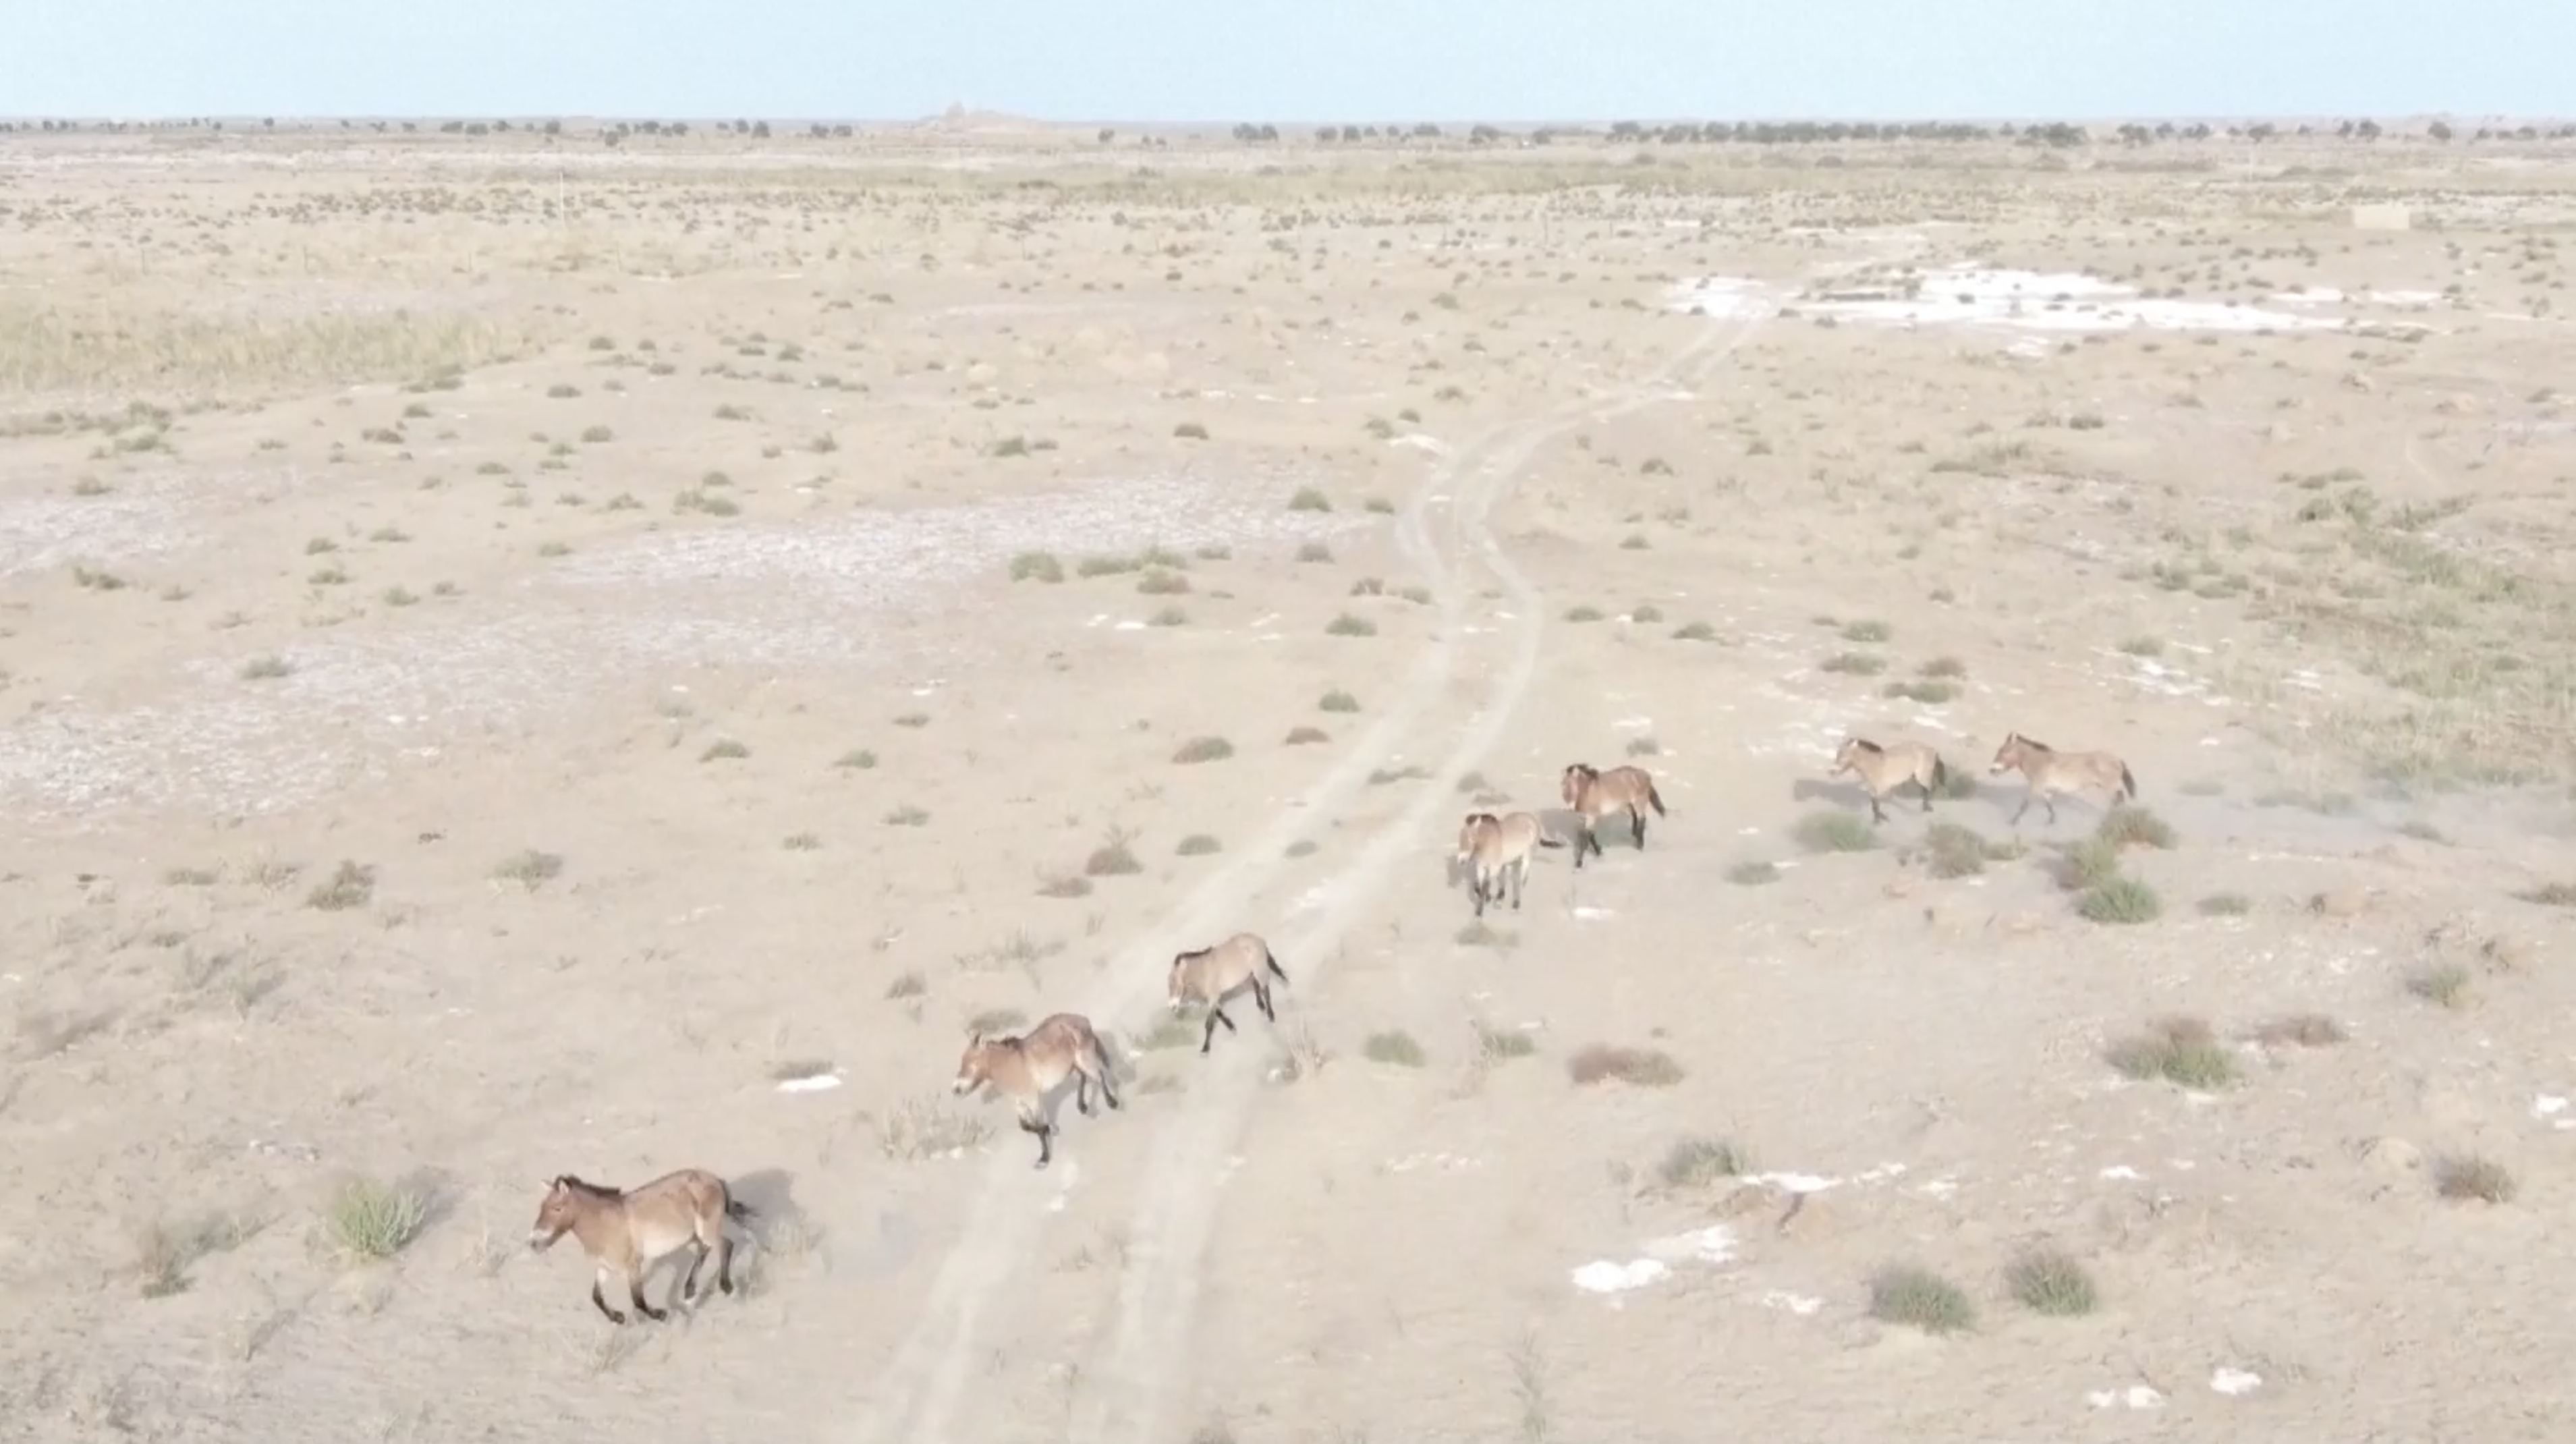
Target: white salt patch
x=1725, y=297
x=1443, y=1161
x=1129, y=627
x=1067, y=1173
x=1798, y=1304
x=2122, y=1171
x=2545, y=1105
x=2019, y=300
x=2136, y=1396
x=1604, y=1277
x=2235, y=1381
x=816, y=1084
x=1592, y=914
x=1713, y=1244
x=1794, y=1182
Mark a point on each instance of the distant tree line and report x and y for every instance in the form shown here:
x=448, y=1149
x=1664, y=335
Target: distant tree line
x=2048, y=134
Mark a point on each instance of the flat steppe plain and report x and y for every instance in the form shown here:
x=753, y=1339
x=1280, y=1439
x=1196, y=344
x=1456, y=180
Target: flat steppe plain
x=516, y=664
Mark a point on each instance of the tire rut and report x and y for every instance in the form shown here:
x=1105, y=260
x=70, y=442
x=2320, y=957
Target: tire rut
x=1125, y=1394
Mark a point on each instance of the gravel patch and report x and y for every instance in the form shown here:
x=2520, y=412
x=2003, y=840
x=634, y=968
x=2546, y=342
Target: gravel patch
x=776, y=595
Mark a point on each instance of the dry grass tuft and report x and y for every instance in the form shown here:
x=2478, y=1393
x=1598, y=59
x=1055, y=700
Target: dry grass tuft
x=2086, y=864
x=2445, y=984
x=925, y=1126
x=1204, y=749
x=1699, y=1162
x=1637, y=1067
x=2301, y=1030
x=127, y=348
x=1113, y=858
x=2131, y=826
x=2049, y=1281
x=1917, y=1298
x=2120, y=900
x=1036, y=567
x=1953, y=851
x=1394, y=1046
x=2464, y=1177
x=164, y=1251
x=365, y=1220
x=351, y=885
x=1829, y=831
x=2181, y=1050
x=530, y=869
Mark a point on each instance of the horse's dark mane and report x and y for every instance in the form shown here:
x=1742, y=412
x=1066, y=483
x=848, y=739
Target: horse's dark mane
x=2035, y=744
x=1865, y=745
x=1193, y=955
x=595, y=1190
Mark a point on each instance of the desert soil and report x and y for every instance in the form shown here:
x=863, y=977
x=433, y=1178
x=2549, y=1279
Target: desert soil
x=521, y=659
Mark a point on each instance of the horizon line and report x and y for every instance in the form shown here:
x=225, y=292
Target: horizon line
x=935, y=117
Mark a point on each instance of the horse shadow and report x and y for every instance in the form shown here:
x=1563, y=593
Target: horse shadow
x=1566, y=825
x=779, y=1228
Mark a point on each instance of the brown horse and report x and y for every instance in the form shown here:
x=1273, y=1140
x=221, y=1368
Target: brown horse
x=1029, y=1067
x=1213, y=974
x=1884, y=769
x=627, y=1231
x=1498, y=850
x=1594, y=794
x=2054, y=774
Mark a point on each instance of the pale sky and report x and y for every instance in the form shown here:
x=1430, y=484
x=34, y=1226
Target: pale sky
x=1289, y=60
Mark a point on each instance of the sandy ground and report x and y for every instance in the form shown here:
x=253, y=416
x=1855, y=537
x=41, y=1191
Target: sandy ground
x=514, y=670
